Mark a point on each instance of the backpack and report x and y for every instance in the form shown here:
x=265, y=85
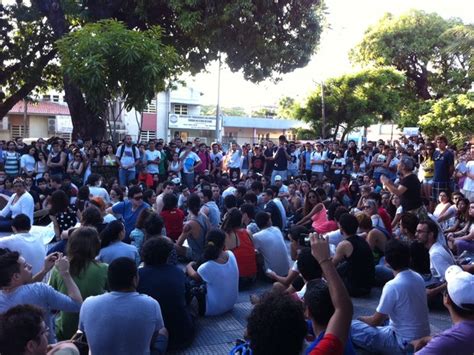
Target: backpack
x=122, y=150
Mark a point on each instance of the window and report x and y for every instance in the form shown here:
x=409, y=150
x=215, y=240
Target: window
x=151, y=107
x=46, y=97
x=55, y=98
x=145, y=136
x=180, y=109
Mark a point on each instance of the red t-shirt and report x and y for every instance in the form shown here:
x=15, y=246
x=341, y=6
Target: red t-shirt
x=173, y=222
x=245, y=254
x=329, y=344
x=387, y=221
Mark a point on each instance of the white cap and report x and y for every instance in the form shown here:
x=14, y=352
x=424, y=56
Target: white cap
x=176, y=181
x=278, y=178
x=460, y=286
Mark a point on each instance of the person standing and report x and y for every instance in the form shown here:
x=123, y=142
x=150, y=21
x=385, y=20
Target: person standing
x=468, y=187
x=128, y=157
x=280, y=160
x=443, y=167
x=189, y=160
x=318, y=160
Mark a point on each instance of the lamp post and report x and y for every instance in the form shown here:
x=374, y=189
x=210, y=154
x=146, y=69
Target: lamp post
x=218, y=109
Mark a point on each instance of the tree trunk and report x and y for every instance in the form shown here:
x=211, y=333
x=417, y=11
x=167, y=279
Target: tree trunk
x=85, y=123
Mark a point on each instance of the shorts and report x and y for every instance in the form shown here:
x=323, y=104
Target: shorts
x=439, y=187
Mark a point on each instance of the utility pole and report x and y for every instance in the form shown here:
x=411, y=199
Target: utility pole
x=218, y=109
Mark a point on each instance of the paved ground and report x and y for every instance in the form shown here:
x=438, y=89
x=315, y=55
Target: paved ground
x=216, y=335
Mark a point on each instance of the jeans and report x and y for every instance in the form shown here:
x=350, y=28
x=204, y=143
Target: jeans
x=125, y=176
x=383, y=273
x=282, y=173
x=377, y=339
x=188, y=180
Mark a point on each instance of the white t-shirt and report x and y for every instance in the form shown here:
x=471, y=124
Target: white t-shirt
x=404, y=301
x=294, y=163
x=339, y=162
x=189, y=162
x=229, y=191
x=127, y=157
x=440, y=260
x=27, y=162
x=282, y=210
x=269, y=242
x=334, y=237
x=222, y=284
x=216, y=159
x=150, y=156
x=25, y=205
x=97, y=191
x=315, y=155
x=30, y=247
x=469, y=183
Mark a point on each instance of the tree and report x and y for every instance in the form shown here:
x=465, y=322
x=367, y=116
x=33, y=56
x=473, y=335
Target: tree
x=420, y=45
x=117, y=68
x=267, y=111
x=210, y=110
x=287, y=108
x=452, y=116
x=26, y=56
x=354, y=100
x=263, y=39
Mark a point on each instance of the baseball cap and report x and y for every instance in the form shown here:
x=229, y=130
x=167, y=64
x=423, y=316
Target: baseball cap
x=460, y=286
x=278, y=178
x=176, y=181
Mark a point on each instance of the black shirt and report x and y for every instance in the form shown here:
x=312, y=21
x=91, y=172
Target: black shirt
x=411, y=198
x=258, y=163
x=280, y=163
x=166, y=284
x=268, y=153
x=277, y=219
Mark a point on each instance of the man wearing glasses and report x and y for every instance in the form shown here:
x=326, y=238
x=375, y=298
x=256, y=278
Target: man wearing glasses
x=130, y=209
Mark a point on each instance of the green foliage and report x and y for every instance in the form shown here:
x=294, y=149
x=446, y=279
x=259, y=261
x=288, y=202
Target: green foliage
x=108, y=61
x=210, y=110
x=452, y=116
x=26, y=55
x=287, y=108
x=355, y=100
x=303, y=134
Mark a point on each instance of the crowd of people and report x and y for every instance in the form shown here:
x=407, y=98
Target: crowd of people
x=148, y=237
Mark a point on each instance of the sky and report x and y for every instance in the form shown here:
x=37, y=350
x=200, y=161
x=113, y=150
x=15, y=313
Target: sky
x=348, y=20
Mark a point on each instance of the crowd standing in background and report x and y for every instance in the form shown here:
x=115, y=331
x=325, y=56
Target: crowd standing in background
x=149, y=236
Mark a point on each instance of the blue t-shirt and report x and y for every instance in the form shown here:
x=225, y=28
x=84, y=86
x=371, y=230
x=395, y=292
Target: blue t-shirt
x=129, y=216
x=118, y=250
x=120, y=323
x=442, y=163
x=43, y=296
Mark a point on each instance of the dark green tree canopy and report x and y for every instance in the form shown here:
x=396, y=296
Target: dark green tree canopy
x=420, y=45
x=355, y=100
x=261, y=38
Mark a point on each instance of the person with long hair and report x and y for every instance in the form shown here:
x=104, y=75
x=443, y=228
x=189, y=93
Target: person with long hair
x=21, y=202
x=313, y=210
x=112, y=245
x=173, y=217
x=238, y=240
x=462, y=216
x=11, y=160
x=75, y=168
x=60, y=213
x=89, y=275
x=219, y=272
x=41, y=166
x=137, y=235
x=28, y=162
x=109, y=159
x=444, y=199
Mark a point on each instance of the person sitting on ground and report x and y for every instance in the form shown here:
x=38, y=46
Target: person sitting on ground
x=18, y=286
x=440, y=260
x=112, y=245
x=293, y=281
x=167, y=284
x=403, y=302
x=194, y=231
x=371, y=210
x=210, y=208
x=270, y=244
x=382, y=212
x=272, y=208
x=219, y=272
x=137, y=235
x=374, y=237
x=354, y=259
x=89, y=275
x=238, y=240
x=130, y=209
x=144, y=332
x=29, y=246
x=173, y=217
x=459, y=300
x=464, y=239
x=21, y=202
x=314, y=211
x=24, y=332
x=95, y=188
